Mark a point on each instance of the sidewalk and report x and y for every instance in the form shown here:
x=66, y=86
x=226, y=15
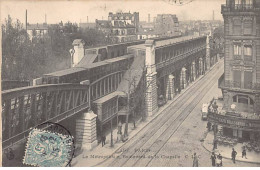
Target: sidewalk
x=225, y=151
x=99, y=154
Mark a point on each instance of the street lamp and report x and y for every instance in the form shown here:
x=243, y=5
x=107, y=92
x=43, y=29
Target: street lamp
x=120, y=127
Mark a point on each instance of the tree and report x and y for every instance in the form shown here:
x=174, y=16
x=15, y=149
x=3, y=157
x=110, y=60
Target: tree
x=135, y=95
x=25, y=59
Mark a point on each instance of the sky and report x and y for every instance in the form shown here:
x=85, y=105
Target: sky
x=78, y=10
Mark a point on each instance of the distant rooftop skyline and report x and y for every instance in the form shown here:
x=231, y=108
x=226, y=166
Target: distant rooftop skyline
x=77, y=11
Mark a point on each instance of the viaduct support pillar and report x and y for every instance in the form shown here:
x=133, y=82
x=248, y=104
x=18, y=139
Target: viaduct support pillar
x=86, y=136
x=200, y=66
x=151, y=79
x=170, y=88
x=183, y=78
x=207, y=53
x=194, y=70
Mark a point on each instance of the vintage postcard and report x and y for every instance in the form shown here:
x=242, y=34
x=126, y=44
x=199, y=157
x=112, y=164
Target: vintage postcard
x=127, y=83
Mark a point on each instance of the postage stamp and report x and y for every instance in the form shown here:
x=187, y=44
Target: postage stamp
x=48, y=147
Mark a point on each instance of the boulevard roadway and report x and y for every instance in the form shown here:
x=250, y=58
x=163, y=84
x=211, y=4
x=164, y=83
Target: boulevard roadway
x=173, y=136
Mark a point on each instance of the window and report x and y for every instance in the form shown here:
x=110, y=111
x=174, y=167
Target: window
x=237, y=26
x=248, y=79
x=235, y=98
x=243, y=99
x=237, y=78
x=112, y=54
x=249, y=2
x=248, y=53
x=237, y=1
x=237, y=51
x=248, y=25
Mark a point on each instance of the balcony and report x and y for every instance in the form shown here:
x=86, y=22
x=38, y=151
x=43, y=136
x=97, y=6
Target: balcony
x=236, y=85
x=239, y=8
x=232, y=118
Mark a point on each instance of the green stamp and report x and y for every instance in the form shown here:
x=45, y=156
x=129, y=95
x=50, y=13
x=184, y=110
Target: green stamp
x=48, y=149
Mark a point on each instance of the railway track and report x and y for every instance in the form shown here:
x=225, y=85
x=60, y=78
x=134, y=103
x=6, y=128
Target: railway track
x=154, y=136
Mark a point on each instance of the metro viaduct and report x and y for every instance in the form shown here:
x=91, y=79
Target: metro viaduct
x=170, y=65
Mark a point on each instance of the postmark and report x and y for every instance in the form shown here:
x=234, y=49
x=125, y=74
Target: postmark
x=49, y=145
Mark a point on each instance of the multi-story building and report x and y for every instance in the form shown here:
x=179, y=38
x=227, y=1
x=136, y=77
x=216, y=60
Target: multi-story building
x=239, y=112
x=37, y=30
x=167, y=24
x=120, y=27
x=163, y=25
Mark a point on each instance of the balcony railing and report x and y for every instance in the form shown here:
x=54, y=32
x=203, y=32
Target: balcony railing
x=237, y=85
x=239, y=8
x=242, y=85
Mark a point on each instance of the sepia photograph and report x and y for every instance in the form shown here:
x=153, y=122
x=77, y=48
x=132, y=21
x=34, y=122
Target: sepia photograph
x=130, y=83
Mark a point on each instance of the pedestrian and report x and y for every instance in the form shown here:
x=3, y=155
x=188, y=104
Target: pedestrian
x=209, y=126
x=119, y=136
x=103, y=140
x=244, y=152
x=217, y=162
x=233, y=155
x=220, y=159
x=213, y=159
x=195, y=160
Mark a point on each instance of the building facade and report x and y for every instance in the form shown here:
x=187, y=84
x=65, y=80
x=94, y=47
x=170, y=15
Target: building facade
x=167, y=24
x=37, y=30
x=163, y=25
x=238, y=113
x=120, y=27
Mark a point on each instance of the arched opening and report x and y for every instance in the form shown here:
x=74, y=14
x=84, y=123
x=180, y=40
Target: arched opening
x=243, y=99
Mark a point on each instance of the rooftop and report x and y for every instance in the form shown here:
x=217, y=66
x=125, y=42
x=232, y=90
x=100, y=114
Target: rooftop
x=87, y=60
x=37, y=26
x=167, y=42
x=133, y=75
x=107, y=97
x=66, y=71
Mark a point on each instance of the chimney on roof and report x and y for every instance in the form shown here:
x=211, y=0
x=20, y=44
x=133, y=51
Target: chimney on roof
x=79, y=51
x=149, y=18
x=87, y=19
x=45, y=18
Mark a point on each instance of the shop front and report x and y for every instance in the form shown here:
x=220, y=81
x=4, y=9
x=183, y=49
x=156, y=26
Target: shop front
x=232, y=130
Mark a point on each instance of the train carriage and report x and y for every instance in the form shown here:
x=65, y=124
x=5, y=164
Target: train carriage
x=71, y=75
x=90, y=72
